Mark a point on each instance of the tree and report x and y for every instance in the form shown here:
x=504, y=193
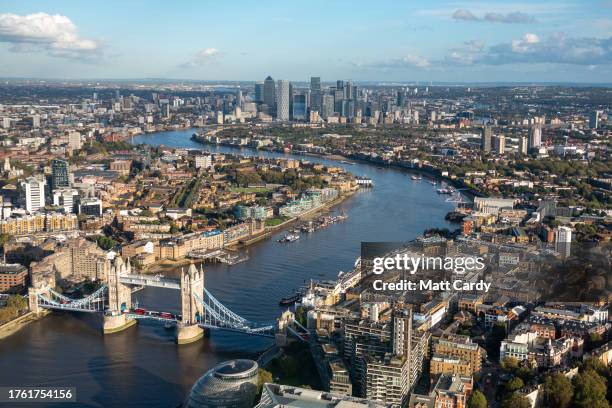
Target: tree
x=596, y=365
x=516, y=400
x=105, y=242
x=514, y=384
x=17, y=302
x=477, y=400
x=590, y=390
x=509, y=364
x=558, y=391
x=4, y=239
x=264, y=377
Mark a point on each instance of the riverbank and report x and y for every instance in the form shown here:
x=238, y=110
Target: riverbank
x=169, y=264
x=433, y=172
x=20, y=322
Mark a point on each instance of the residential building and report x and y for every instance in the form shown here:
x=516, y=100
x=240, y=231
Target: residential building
x=33, y=194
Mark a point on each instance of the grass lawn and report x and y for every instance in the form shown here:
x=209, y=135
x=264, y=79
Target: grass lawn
x=273, y=222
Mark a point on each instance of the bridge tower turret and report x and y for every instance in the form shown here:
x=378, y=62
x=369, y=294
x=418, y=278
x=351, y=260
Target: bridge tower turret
x=192, y=287
x=119, y=295
x=119, y=298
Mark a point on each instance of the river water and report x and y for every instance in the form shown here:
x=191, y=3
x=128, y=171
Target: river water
x=142, y=367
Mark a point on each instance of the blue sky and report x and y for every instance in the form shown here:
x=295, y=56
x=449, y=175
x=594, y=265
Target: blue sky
x=458, y=41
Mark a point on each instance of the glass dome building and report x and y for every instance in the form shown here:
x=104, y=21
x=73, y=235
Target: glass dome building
x=231, y=384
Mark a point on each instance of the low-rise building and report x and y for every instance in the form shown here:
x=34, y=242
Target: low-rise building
x=13, y=277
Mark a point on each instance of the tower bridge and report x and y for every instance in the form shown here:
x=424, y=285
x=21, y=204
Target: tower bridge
x=200, y=310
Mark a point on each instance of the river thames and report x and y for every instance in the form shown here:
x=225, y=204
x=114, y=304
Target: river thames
x=143, y=367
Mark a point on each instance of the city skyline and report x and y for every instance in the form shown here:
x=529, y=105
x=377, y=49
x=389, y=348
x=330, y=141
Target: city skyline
x=445, y=42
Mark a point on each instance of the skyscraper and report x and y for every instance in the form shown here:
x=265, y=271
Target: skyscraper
x=60, y=174
x=535, y=137
x=327, y=106
x=239, y=98
x=315, y=94
x=33, y=194
x=259, y=92
x=300, y=106
x=485, y=139
x=269, y=93
x=282, y=100
x=499, y=144
x=594, y=120
x=523, y=146
x=563, y=240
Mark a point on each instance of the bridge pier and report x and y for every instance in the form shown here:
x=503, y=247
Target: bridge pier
x=186, y=334
x=192, y=284
x=119, y=299
x=33, y=300
x=117, y=323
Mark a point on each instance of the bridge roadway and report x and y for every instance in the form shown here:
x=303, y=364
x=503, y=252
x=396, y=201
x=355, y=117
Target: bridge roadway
x=148, y=280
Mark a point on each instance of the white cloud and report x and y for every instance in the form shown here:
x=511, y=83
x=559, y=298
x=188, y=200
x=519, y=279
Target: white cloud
x=415, y=61
x=55, y=34
x=515, y=17
x=556, y=48
x=202, y=57
x=463, y=14
x=207, y=53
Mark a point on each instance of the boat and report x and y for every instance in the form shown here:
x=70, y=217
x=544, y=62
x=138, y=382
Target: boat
x=289, y=300
x=416, y=177
x=444, y=191
x=289, y=238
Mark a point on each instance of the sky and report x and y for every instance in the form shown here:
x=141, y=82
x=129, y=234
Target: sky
x=393, y=41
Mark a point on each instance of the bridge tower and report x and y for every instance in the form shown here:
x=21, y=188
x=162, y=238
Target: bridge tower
x=119, y=298
x=192, y=286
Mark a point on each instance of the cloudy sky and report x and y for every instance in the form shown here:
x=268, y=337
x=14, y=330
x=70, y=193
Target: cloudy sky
x=398, y=40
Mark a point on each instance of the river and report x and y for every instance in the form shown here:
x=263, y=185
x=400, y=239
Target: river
x=142, y=367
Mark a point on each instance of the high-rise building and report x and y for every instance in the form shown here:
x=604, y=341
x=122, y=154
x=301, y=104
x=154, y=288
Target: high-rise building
x=315, y=94
x=300, y=106
x=269, y=94
x=563, y=238
x=33, y=194
x=60, y=174
x=36, y=121
x=523, y=146
x=282, y=100
x=327, y=106
x=485, y=139
x=563, y=234
x=259, y=92
x=499, y=144
x=594, y=120
x=349, y=91
x=239, y=98
x=535, y=137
